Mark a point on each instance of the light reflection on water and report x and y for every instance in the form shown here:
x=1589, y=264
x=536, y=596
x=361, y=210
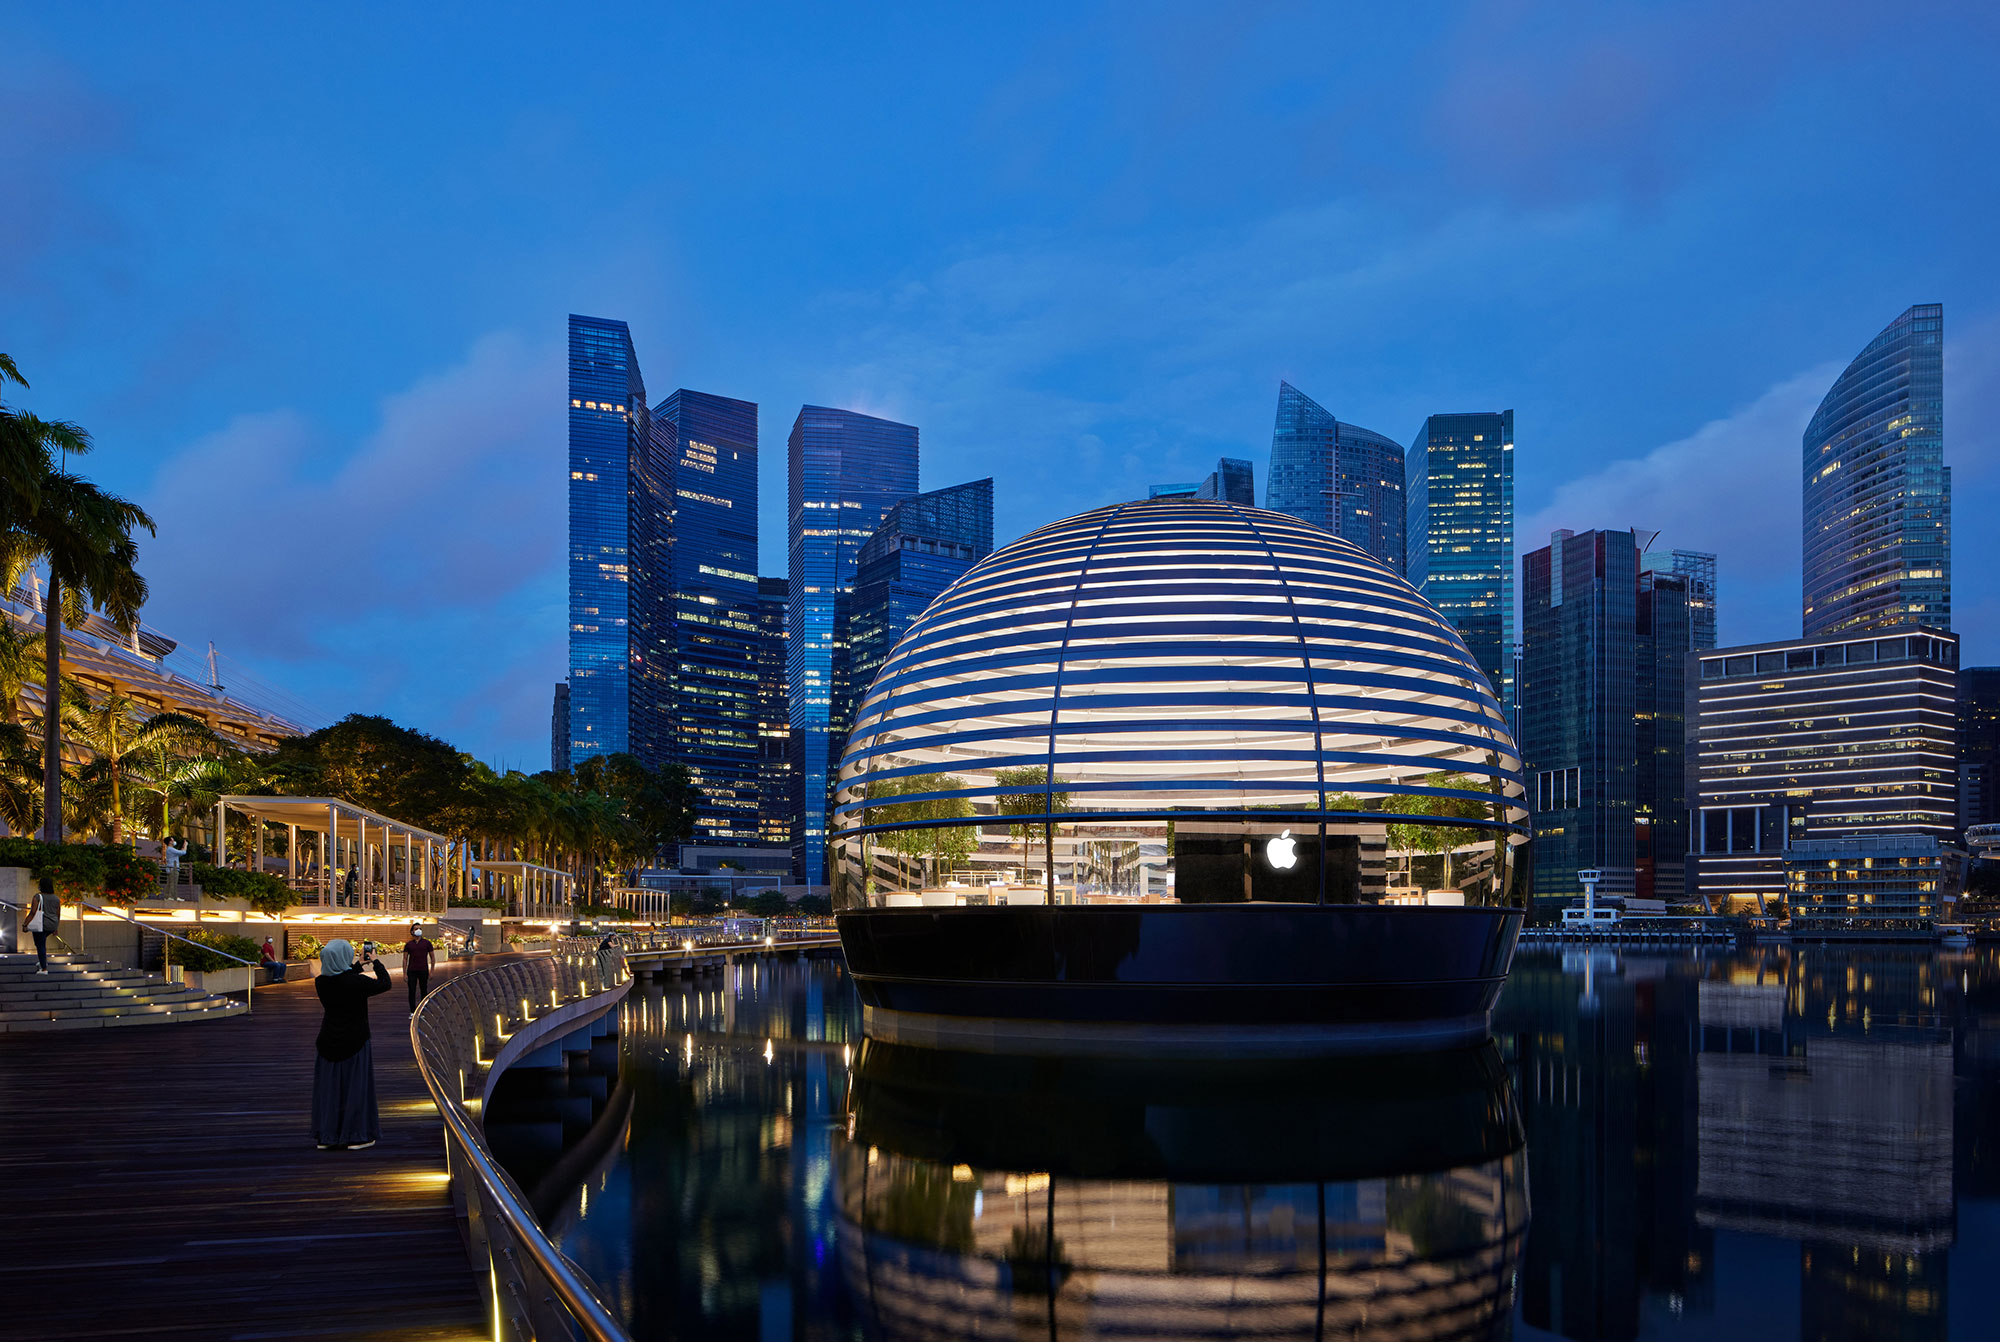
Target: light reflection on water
x=1802, y=1142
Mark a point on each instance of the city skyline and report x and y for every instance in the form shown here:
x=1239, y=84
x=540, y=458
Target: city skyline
x=1661, y=273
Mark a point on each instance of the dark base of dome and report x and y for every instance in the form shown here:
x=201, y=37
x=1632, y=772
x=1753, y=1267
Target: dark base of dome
x=1193, y=980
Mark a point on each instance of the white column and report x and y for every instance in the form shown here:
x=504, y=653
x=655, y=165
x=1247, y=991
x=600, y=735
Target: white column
x=221, y=838
x=328, y=849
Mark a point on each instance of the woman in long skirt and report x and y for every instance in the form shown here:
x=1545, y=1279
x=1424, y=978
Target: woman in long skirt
x=344, y=1114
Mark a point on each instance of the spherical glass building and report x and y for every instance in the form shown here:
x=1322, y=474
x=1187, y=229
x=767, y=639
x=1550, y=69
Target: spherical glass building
x=1187, y=766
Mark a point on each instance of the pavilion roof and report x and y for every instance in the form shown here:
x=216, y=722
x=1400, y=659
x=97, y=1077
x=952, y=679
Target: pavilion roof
x=313, y=813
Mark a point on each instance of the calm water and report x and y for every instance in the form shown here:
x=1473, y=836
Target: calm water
x=1795, y=1143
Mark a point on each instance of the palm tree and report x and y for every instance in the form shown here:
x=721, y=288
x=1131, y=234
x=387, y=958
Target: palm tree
x=20, y=780
x=20, y=667
x=180, y=769
x=83, y=534
x=29, y=449
x=112, y=729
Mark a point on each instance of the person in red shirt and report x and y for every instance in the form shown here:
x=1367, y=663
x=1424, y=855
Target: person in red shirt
x=417, y=954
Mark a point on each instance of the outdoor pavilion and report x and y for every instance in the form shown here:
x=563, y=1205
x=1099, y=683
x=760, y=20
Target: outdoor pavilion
x=402, y=868
x=528, y=889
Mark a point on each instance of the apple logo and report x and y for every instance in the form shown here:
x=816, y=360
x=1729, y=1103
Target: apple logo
x=1282, y=852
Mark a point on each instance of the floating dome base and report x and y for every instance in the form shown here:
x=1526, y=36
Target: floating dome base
x=1185, y=776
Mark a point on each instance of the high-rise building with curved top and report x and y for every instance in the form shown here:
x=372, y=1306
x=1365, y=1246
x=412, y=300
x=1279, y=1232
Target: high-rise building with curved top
x=1342, y=477
x=1877, y=491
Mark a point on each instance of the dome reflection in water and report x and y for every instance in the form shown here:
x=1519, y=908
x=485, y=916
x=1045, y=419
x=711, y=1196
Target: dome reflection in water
x=992, y=1197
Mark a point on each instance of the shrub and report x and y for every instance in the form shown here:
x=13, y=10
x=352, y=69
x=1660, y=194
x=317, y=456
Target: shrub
x=305, y=946
x=478, y=904
x=202, y=958
x=113, y=873
x=264, y=892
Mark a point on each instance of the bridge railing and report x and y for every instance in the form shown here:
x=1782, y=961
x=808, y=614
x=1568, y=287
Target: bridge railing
x=458, y=1031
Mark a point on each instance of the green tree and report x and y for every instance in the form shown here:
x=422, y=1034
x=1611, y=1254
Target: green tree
x=924, y=843
x=112, y=729
x=1023, y=804
x=20, y=666
x=1431, y=838
x=83, y=536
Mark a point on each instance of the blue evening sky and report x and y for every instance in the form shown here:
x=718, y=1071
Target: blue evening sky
x=304, y=271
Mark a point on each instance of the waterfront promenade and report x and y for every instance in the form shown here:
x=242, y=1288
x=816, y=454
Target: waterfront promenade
x=162, y=1183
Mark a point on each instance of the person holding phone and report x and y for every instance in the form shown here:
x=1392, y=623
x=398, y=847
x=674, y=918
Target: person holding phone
x=344, y=1112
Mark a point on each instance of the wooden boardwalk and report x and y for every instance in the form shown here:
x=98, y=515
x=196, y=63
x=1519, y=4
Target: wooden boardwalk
x=161, y=1182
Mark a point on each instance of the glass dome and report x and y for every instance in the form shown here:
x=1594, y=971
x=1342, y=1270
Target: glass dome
x=1179, y=702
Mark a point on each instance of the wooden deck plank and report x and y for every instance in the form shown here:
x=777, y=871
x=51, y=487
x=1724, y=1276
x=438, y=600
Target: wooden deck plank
x=162, y=1182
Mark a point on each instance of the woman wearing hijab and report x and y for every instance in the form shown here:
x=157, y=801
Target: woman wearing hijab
x=343, y=1112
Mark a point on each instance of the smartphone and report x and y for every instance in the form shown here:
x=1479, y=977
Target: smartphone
x=367, y=950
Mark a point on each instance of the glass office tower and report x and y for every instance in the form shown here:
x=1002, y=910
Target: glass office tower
x=694, y=616
x=1459, y=547
x=559, y=729
x=1698, y=569
x=607, y=431
x=1233, y=480
x=922, y=546
x=845, y=471
x=776, y=794
x=1978, y=747
x=1603, y=713
x=1877, y=491
x=1342, y=477
x=1579, y=738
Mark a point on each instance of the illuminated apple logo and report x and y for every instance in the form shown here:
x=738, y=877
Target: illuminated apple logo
x=1282, y=852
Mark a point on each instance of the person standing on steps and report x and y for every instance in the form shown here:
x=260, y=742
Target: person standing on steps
x=44, y=916
x=344, y=1116
x=417, y=954
x=352, y=900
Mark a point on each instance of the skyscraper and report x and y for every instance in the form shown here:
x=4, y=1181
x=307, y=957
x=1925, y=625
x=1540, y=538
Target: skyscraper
x=1459, y=538
x=1603, y=696
x=1699, y=570
x=607, y=430
x=1877, y=491
x=695, y=606
x=1339, y=476
x=845, y=471
x=1233, y=480
x=776, y=795
x=559, y=729
x=1579, y=738
x=923, y=545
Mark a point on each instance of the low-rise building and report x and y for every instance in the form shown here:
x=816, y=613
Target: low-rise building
x=1816, y=739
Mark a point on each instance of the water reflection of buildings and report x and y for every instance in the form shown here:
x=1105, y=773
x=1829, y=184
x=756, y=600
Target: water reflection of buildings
x=1803, y=1095
x=717, y=1222
x=981, y=1198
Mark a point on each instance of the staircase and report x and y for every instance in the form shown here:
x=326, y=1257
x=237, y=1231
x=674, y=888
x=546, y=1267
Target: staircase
x=81, y=993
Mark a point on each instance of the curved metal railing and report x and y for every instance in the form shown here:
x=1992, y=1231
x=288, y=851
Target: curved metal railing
x=457, y=1032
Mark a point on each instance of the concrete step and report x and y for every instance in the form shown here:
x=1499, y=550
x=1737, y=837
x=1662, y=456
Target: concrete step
x=221, y=1012
x=81, y=992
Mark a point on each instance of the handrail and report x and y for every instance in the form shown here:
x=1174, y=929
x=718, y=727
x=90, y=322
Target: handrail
x=576, y=970
x=18, y=908
x=249, y=993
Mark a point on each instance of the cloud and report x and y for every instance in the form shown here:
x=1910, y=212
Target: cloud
x=1732, y=488
x=391, y=574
